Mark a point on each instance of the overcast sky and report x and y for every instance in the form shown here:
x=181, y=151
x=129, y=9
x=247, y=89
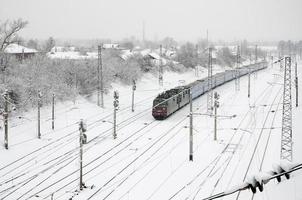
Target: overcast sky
x=181, y=19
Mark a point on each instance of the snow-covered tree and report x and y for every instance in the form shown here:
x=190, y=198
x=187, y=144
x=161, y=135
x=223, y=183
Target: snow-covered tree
x=9, y=32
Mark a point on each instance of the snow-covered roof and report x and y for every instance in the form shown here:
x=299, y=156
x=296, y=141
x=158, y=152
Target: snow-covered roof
x=72, y=55
x=166, y=52
x=62, y=49
x=127, y=53
x=154, y=55
x=145, y=52
x=15, y=48
x=111, y=46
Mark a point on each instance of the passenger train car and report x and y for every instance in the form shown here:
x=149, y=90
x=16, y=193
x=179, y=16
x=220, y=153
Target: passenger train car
x=168, y=102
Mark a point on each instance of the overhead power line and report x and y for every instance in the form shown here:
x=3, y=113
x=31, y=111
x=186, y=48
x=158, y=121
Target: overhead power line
x=259, y=180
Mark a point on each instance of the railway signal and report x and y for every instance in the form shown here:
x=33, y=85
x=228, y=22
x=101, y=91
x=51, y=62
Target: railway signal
x=82, y=129
x=115, y=108
x=133, y=89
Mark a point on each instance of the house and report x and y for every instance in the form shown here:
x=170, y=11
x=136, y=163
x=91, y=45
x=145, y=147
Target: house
x=19, y=51
x=62, y=49
x=111, y=46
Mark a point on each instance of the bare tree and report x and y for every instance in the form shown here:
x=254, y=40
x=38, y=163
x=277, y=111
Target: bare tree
x=33, y=44
x=49, y=44
x=9, y=30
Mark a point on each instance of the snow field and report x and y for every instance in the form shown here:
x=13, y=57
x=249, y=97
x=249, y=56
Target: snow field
x=150, y=159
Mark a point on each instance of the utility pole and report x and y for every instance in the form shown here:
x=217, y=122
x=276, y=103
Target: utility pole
x=115, y=108
x=133, y=89
x=5, y=116
x=39, y=106
x=191, y=129
x=53, y=113
x=210, y=84
x=216, y=105
x=286, y=138
x=160, y=74
x=237, y=71
x=82, y=129
x=100, y=84
x=296, y=83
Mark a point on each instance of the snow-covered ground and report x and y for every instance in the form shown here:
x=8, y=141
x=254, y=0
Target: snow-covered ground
x=150, y=159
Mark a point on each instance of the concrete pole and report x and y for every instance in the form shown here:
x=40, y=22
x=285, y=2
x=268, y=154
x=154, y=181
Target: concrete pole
x=39, y=120
x=215, y=120
x=249, y=85
x=114, y=123
x=216, y=105
x=191, y=128
x=100, y=82
x=5, y=115
x=98, y=74
x=81, y=128
x=296, y=83
x=53, y=113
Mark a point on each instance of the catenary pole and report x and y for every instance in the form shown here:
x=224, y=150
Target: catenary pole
x=191, y=128
x=39, y=118
x=296, y=83
x=82, y=130
x=5, y=115
x=53, y=113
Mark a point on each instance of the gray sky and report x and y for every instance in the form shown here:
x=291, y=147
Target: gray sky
x=181, y=19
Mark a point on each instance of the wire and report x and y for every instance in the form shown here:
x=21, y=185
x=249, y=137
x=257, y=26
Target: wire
x=244, y=187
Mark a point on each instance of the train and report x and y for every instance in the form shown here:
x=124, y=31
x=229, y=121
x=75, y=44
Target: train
x=170, y=101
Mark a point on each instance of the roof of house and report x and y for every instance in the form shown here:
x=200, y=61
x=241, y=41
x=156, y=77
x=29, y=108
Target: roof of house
x=72, y=55
x=15, y=48
x=62, y=49
x=110, y=46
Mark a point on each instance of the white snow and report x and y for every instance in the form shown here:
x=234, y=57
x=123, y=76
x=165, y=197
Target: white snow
x=150, y=159
x=15, y=48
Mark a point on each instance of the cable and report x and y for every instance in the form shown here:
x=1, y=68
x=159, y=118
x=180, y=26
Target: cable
x=244, y=187
x=258, y=142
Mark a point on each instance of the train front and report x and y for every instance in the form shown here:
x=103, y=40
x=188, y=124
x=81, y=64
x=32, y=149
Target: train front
x=159, y=110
